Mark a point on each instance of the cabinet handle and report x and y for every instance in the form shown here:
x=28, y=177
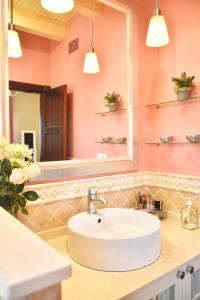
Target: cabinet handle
x=190, y=269
x=180, y=274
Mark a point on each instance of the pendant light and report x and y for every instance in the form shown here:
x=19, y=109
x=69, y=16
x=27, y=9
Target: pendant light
x=58, y=6
x=157, y=35
x=91, y=64
x=14, y=47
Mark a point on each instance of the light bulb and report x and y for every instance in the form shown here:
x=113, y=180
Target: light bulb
x=58, y=6
x=91, y=64
x=157, y=35
x=14, y=47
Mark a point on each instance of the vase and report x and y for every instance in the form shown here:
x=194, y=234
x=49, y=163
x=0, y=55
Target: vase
x=112, y=106
x=184, y=93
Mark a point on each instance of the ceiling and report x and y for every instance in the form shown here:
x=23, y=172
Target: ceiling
x=30, y=16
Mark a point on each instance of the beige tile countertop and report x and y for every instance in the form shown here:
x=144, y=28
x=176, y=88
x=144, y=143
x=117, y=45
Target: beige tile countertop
x=178, y=247
x=27, y=264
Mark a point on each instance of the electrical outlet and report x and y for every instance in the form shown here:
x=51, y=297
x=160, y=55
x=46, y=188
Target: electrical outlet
x=102, y=155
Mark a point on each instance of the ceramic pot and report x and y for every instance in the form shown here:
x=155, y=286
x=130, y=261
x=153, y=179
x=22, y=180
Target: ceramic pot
x=184, y=93
x=112, y=106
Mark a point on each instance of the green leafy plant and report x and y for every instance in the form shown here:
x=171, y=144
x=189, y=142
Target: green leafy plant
x=183, y=81
x=16, y=169
x=112, y=98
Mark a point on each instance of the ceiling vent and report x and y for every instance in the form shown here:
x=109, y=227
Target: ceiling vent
x=73, y=46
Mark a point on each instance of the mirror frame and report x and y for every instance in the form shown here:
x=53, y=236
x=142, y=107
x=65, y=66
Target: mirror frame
x=92, y=167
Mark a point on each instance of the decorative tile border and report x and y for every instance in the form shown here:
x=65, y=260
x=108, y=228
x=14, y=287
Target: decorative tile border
x=51, y=192
x=184, y=183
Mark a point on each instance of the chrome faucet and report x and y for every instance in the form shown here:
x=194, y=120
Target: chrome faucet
x=93, y=200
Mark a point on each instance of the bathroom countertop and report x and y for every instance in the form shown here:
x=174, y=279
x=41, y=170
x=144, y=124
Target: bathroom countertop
x=27, y=264
x=178, y=246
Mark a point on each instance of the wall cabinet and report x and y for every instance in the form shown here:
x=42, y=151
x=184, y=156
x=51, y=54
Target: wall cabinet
x=182, y=283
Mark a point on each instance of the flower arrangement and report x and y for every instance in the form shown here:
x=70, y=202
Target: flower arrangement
x=16, y=169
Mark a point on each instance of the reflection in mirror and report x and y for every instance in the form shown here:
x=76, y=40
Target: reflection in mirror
x=66, y=118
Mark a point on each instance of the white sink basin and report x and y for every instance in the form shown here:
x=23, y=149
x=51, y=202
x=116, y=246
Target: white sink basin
x=115, y=239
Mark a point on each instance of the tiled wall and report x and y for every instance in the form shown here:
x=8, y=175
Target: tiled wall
x=174, y=199
x=53, y=214
x=59, y=201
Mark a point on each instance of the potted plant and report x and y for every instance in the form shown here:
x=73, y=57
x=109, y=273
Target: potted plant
x=183, y=86
x=112, y=101
x=16, y=169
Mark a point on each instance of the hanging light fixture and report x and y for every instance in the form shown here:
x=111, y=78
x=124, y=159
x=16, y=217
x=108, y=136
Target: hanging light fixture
x=157, y=35
x=91, y=64
x=14, y=47
x=58, y=6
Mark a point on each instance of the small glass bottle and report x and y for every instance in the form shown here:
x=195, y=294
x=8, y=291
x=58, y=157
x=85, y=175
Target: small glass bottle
x=189, y=215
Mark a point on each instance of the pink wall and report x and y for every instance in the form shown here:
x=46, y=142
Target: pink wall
x=33, y=66
x=157, y=66
x=155, y=69
x=47, y=62
x=89, y=90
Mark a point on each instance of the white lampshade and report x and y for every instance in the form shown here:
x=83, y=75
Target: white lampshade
x=91, y=64
x=157, y=35
x=58, y=6
x=14, y=47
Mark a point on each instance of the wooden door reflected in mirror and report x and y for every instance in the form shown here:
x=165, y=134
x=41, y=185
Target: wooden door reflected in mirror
x=40, y=117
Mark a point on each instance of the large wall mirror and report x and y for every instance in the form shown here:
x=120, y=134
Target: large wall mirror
x=54, y=106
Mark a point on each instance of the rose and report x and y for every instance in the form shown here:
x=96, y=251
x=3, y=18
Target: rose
x=18, y=176
x=31, y=171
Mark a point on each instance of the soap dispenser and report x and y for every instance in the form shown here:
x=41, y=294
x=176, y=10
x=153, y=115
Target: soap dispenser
x=189, y=215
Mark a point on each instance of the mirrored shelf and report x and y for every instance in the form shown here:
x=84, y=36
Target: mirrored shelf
x=103, y=113
x=189, y=100
x=172, y=143
x=99, y=142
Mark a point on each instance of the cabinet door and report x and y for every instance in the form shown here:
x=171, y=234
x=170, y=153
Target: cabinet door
x=168, y=294
x=168, y=287
x=193, y=273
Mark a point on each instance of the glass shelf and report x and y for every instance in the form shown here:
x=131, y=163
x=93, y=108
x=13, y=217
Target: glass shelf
x=172, y=143
x=109, y=112
x=159, y=104
x=99, y=142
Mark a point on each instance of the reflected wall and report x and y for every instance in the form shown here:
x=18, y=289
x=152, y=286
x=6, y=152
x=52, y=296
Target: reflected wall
x=47, y=62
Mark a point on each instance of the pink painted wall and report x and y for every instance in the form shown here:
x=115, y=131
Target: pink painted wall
x=155, y=69
x=33, y=66
x=47, y=62
x=89, y=90
x=157, y=66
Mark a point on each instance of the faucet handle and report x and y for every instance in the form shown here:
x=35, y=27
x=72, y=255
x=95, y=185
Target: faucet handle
x=92, y=191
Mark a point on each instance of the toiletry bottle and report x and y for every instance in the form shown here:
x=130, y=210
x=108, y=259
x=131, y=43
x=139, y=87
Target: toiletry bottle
x=138, y=201
x=148, y=202
x=144, y=202
x=189, y=215
x=151, y=204
x=157, y=205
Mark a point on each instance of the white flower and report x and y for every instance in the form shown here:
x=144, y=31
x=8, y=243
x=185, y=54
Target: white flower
x=3, y=154
x=20, y=151
x=31, y=171
x=18, y=176
x=18, y=163
x=3, y=142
